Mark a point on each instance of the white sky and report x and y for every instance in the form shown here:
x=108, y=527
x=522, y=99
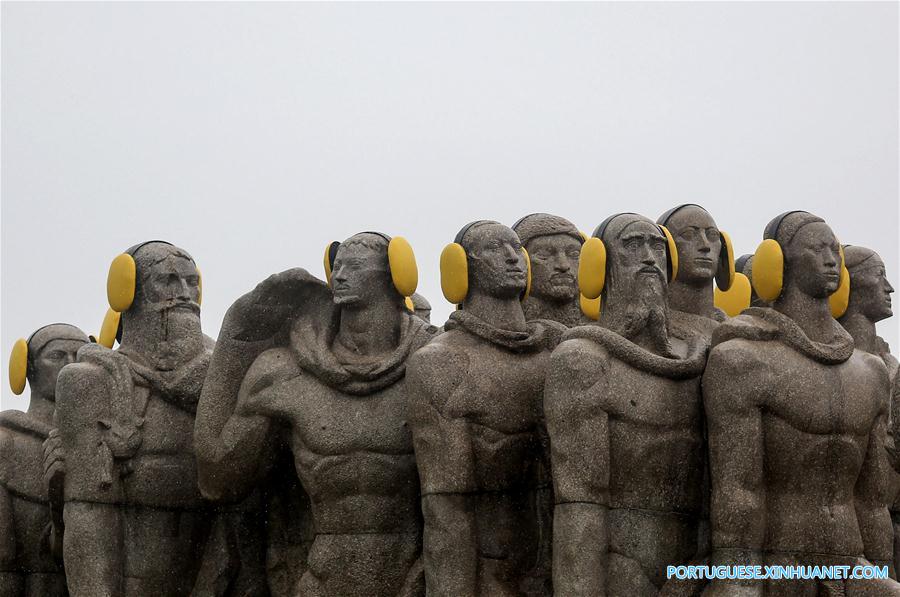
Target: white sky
x=253, y=134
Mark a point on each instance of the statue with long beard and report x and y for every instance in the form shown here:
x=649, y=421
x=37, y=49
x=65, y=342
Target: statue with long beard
x=623, y=410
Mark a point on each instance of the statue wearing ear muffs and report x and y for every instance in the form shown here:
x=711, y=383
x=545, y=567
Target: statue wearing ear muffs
x=797, y=422
x=135, y=519
x=477, y=422
x=705, y=255
x=29, y=541
x=316, y=372
x=624, y=416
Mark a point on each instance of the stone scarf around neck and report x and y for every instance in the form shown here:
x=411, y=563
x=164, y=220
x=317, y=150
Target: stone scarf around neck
x=764, y=323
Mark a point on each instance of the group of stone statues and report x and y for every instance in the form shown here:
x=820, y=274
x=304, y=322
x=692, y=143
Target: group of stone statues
x=594, y=411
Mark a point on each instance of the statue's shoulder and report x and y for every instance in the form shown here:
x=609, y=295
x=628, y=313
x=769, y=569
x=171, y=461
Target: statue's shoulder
x=271, y=367
x=579, y=355
x=435, y=370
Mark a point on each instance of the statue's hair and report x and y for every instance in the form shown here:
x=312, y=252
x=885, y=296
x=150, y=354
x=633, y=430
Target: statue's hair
x=792, y=224
x=857, y=258
x=370, y=241
x=540, y=224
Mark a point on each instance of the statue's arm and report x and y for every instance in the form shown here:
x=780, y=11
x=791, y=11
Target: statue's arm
x=872, y=487
x=444, y=457
x=578, y=427
x=737, y=504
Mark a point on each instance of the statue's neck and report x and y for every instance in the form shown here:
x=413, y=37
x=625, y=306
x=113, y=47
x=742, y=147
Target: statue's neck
x=502, y=313
x=567, y=311
x=41, y=408
x=812, y=315
x=863, y=331
x=166, y=343
x=371, y=329
x=692, y=297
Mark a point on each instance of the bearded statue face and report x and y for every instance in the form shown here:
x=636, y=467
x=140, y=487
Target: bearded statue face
x=554, y=263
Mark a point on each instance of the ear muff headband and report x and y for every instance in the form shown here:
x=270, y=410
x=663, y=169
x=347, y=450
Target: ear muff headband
x=725, y=270
x=401, y=263
x=592, y=262
x=121, y=281
x=454, y=266
x=737, y=298
x=18, y=361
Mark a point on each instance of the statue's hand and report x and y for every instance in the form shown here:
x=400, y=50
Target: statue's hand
x=262, y=312
x=54, y=463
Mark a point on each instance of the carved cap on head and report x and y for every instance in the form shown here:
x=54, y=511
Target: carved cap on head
x=464, y=236
x=857, y=257
x=618, y=223
x=790, y=225
x=54, y=331
x=541, y=224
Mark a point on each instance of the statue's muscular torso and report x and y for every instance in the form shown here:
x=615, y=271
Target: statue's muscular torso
x=354, y=457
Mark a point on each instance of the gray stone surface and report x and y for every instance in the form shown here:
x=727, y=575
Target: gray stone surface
x=624, y=417
x=554, y=245
x=477, y=421
x=797, y=420
x=699, y=262
x=30, y=544
x=317, y=376
x=422, y=308
x=135, y=522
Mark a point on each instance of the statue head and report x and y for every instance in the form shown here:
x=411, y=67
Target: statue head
x=497, y=265
x=40, y=358
x=421, y=307
x=812, y=255
x=870, y=291
x=360, y=274
x=700, y=244
x=554, y=245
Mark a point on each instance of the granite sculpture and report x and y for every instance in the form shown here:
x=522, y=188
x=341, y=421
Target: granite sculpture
x=319, y=370
x=797, y=421
x=29, y=541
x=135, y=522
x=421, y=307
x=475, y=410
x=624, y=416
x=704, y=255
x=870, y=302
x=553, y=245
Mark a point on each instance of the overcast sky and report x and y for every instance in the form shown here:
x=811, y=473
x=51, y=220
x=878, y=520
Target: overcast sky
x=253, y=134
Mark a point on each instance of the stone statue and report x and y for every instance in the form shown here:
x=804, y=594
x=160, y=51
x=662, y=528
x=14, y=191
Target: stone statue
x=135, y=522
x=28, y=542
x=870, y=302
x=553, y=244
x=624, y=413
x=797, y=422
x=476, y=416
x=320, y=373
x=421, y=307
x=704, y=255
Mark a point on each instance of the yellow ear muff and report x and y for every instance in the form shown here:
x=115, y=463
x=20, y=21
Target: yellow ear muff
x=592, y=268
x=734, y=300
x=327, y=261
x=18, y=366
x=725, y=272
x=454, y=273
x=120, y=282
x=527, y=274
x=402, y=261
x=199, y=287
x=590, y=307
x=108, y=328
x=673, y=253
x=409, y=304
x=768, y=270
x=840, y=298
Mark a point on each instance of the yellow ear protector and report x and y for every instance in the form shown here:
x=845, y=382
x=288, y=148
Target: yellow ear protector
x=725, y=272
x=18, y=361
x=768, y=269
x=592, y=263
x=409, y=304
x=110, y=329
x=737, y=298
x=401, y=262
x=121, y=282
x=454, y=267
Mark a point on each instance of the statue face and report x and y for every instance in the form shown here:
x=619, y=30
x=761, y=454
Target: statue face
x=360, y=273
x=172, y=285
x=871, y=291
x=496, y=262
x=698, y=242
x=554, y=263
x=813, y=261
x=637, y=259
x=52, y=357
